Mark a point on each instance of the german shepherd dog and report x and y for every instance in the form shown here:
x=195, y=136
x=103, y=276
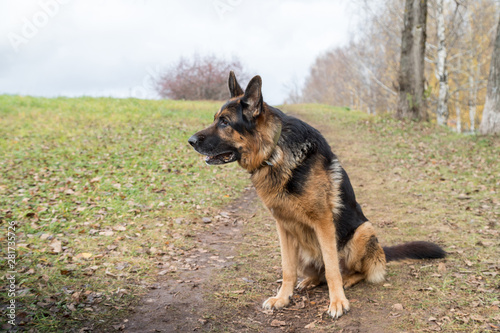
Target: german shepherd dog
x=322, y=230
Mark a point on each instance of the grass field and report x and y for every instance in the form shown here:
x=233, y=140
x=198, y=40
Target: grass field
x=107, y=194
x=100, y=189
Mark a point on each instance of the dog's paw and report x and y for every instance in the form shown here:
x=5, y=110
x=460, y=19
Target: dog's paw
x=275, y=303
x=307, y=283
x=338, y=307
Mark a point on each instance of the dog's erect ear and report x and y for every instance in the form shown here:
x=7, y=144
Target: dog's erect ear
x=253, y=96
x=234, y=87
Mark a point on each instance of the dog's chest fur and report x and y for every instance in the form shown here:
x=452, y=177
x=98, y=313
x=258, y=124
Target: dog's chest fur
x=300, y=212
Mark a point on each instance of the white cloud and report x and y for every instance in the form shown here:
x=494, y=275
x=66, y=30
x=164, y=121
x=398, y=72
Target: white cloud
x=106, y=47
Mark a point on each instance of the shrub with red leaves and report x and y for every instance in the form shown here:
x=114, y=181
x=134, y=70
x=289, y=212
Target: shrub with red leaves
x=199, y=78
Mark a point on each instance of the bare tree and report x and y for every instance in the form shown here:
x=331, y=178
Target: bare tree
x=491, y=113
x=480, y=20
x=198, y=78
x=442, y=71
x=470, y=27
x=363, y=74
x=411, y=74
x=294, y=95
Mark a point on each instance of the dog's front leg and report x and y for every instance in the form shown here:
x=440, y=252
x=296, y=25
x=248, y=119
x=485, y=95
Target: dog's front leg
x=325, y=232
x=289, y=260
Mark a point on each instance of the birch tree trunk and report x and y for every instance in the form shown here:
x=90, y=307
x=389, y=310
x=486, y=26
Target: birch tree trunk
x=457, y=110
x=491, y=114
x=472, y=99
x=411, y=72
x=442, y=71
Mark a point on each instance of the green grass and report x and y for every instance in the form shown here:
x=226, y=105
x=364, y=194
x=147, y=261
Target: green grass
x=74, y=169
x=107, y=178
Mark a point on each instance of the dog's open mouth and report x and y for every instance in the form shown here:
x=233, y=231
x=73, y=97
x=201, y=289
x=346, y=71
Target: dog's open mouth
x=221, y=158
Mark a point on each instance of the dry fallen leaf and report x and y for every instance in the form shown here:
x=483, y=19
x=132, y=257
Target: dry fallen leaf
x=95, y=180
x=56, y=246
x=121, y=265
x=84, y=255
x=76, y=296
x=311, y=325
x=397, y=307
x=119, y=228
x=106, y=233
x=45, y=236
x=277, y=323
x=477, y=317
x=108, y=273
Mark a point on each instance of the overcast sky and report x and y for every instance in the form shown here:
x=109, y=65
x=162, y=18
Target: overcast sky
x=112, y=47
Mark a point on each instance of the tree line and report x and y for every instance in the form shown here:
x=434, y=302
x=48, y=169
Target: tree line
x=417, y=59
x=425, y=60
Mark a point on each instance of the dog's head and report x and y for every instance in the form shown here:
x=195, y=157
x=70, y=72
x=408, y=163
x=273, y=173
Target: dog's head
x=232, y=135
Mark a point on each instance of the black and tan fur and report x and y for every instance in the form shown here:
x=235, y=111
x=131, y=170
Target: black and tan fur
x=323, y=233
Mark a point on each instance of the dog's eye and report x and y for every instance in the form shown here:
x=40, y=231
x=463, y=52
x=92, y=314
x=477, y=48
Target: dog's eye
x=223, y=122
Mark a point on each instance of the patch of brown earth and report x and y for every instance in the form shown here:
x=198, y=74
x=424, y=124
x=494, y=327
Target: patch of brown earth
x=178, y=305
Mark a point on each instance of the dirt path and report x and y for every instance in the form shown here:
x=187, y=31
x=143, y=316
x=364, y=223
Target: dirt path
x=178, y=305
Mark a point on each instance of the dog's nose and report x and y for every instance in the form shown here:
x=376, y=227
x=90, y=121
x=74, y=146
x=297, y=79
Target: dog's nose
x=194, y=140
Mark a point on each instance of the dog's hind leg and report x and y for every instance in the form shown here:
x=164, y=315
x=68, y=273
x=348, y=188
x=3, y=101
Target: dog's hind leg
x=308, y=282
x=364, y=257
x=351, y=279
x=312, y=276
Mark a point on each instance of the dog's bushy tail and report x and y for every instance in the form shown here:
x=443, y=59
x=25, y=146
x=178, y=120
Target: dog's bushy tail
x=414, y=250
